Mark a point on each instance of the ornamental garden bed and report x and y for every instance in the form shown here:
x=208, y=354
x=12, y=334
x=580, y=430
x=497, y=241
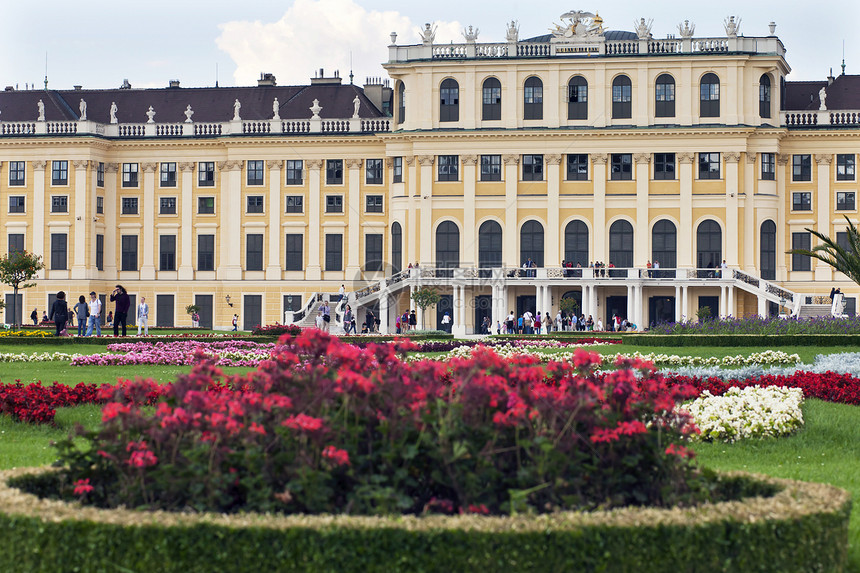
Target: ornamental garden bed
x=757, y=340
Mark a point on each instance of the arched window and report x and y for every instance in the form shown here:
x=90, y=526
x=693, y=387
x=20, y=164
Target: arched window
x=396, y=247
x=767, y=264
x=401, y=102
x=709, y=245
x=449, y=105
x=664, y=242
x=447, y=247
x=531, y=243
x=664, y=96
x=490, y=245
x=576, y=243
x=621, y=244
x=622, y=98
x=764, y=96
x=577, y=98
x=533, y=98
x=492, y=100
x=709, y=96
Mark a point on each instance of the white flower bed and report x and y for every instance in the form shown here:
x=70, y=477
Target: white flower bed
x=752, y=412
x=37, y=357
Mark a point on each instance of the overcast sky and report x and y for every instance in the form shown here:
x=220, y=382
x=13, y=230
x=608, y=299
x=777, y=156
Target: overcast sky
x=98, y=43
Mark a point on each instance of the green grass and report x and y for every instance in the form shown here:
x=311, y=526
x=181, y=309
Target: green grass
x=26, y=445
x=64, y=373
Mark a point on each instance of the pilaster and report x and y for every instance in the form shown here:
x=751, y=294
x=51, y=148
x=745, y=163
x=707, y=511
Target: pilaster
x=553, y=206
x=186, y=252
x=314, y=268
x=353, y=252
x=231, y=240
x=426, y=206
x=147, y=270
x=82, y=221
x=111, y=238
x=732, y=254
x=823, y=271
x=276, y=238
x=751, y=236
x=412, y=213
x=470, y=177
x=599, y=161
x=39, y=192
x=782, y=228
x=641, y=253
x=685, y=248
x=510, y=252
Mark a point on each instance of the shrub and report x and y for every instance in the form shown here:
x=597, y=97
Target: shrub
x=758, y=325
x=325, y=427
x=277, y=330
x=760, y=340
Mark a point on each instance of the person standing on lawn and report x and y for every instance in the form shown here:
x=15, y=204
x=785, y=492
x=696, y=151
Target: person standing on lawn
x=34, y=316
x=143, y=317
x=95, y=307
x=235, y=323
x=59, y=313
x=81, y=312
x=120, y=296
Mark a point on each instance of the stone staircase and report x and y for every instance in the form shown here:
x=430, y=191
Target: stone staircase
x=813, y=311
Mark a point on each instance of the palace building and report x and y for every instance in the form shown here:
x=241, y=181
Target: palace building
x=688, y=166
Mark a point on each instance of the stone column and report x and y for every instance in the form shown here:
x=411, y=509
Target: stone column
x=39, y=193
x=231, y=240
x=762, y=307
x=641, y=253
x=111, y=238
x=383, y=314
x=460, y=308
x=677, y=303
x=782, y=229
x=823, y=271
x=411, y=231
x=314, y=268
x=147, y=270
x=455, y=311
x=470, y=242
x=730, y=311
x=723, y=304
x=276, y=237
x=732, y=254
x=427, y=257
x=686, y=257
x=554, y=232
x=751, y=236
x=82, y=221
x=684, y=302
x=353, y=252
x=599, y=218
x=186, y=251
x=510, y=252
x=586, y=300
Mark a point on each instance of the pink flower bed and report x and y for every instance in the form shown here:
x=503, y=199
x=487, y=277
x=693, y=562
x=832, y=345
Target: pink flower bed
x=227, y=353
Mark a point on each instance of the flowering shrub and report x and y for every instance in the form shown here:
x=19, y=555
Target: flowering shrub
x=324, y=427
x=37, y=404
x=751, y=412
x=768, y=357
x=758, y=325
x=229, y=353
x=25, y=333
x=277, y=329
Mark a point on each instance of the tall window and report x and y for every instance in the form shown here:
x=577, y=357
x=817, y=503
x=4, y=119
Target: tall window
x=334, y=252
x=396, y=247
x=801, y=167
x=397, y=176
x=128, y=253
x=577, y=98
x=449, y=104
x=168, y=174
x=533, y=98
x=100, y=252
x=491, y=108
x=373, y=203
x=17, y=204
x=576, y=243
x=532, y=243
x=205, y=252
x=167, y=206
x=621, y=244
x=768, y=166
x=767, y=255
x=100, y=174
x=334, y=171
x=532, y=167
x=100, y=205
x=295, y=252
x=664, y=95
x=59, y=204
x=622, y=98
x=801, y=241
x=491, y=168
x=294, y=172
x=167, y=252
x=764, y=96
x=16, y=243
x=256, y=171
x=401, y=102
x=17, y=173
x=59, y=250
x=622, y=167
x=490, y=245
x=447, y=245
x=254, y=252
x=577, y=167
x=845, y=166
x=664, y=244
x=709, y=166
x=845, y=201
x=449, y=168
x=709, y=245
x=664, y=166
x=373, y=172
x=59, y=172
x=709, y=96
x=206, y=174
x=255, y=204
x=295, y=204
x=373, y=252
x=801, y=201
x=130, y=174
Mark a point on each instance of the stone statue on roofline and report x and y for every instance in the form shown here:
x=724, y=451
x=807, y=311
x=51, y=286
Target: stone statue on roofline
x=41, y=108
x=471, y=35
x=188, y=113
x=356, y=105
x=428, y=34
x=643, y=29
x=113, y=110
x=732, y=27
x=276, y=110
x=83, y=108
x=687, y=30
x=236, y=107
x=512, y=33
x=822, y=97
x=315, y=109
x=150, y=115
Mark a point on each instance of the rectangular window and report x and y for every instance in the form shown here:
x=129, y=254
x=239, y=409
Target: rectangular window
x=255, y=172
x=16, y=243
x=100, y=174
x=59, y=172
x=398, y=170
x=206, y=174
x=167, y=206
x=17, y=203
x=59, y=248
x=845, y=166
x=801, y=167
x=100, y=252
x=373, y=203
x=59, y=204
x=128, y=249
x=664, y=105
x=295, y=252
x=801, y=201
x=449, y=168
x=100, y=205
x=255, y=203
x=709, y=166
x=577, y=167
x=532, y=167
x=373, y=252
x=373, y=171
x=491, y=168
x=768, y=166
x=17, y=173
x=334, y=204
x=168, y=174
x=622, y=167
x=206, y=205
x=334, y=172
x=205, y=252
x=801, y=241
x=129, y=174
x=295, y=204
x=577, y=99
x=254, y=252
x=845, y=201
x=842, y=241
x=129, y=205
x=167, y=252
x=334, y=252
x=294, y=172
x=664, y=166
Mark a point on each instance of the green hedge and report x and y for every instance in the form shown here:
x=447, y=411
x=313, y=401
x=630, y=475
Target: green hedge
x=104, y=340
x=563, y=335
x=766, y=340
x=804, y=527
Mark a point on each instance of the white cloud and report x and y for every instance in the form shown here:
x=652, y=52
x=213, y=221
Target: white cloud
x=315, y=34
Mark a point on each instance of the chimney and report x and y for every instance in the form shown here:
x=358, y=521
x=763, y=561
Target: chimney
x=320, y=79
x=266, y=79
x=78, y=88
x=173, y=84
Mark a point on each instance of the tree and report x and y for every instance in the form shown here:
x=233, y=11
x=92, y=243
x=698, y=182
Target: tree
x=425, y=297
x=192, y=308
x=568, y=306
x=846, y=259
x=16, y=269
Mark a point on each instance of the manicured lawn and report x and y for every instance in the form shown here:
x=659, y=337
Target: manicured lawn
x=63, y=373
